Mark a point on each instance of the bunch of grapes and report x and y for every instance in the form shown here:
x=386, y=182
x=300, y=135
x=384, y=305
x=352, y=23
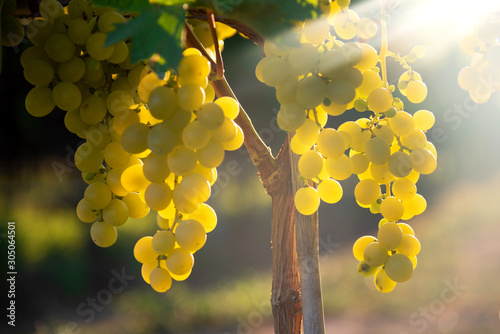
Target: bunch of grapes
x=482, y=77
x=151, y=142
x=387, y=150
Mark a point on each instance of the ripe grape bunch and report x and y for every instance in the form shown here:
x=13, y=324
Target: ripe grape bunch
x=386, y=148
x=482, y=77
x=151, y=142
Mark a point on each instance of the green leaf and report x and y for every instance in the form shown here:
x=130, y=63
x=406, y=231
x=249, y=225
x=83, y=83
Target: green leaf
x=154, y=31
x=124, y=5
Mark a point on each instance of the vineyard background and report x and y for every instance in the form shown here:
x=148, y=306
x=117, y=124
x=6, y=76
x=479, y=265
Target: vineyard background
x=59, y=267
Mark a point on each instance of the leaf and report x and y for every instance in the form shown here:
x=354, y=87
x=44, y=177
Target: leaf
x=124, y=5
x=155, y=31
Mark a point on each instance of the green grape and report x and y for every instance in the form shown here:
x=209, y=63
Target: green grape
x=302, y=59
x=88, y=158
x=392, y=208
x=236, y=142
x=97, y=136
x=308, y=132
x=155, y=168
x=103, y=234
x=158, y=196
x=375, y=254
x=51, y=9
x=414, y=139
x=181, y=160
x=97, y=195
x=311, y=92
x=133, y=179
x=108, y=19
x=358, y=248
x=80, y=9
x=116, y=212
x=399, y=268
x=339, y=168
x=67, y=96
x=195, y=188
x=406, y=78
x=287, y=91
x=341, y=91
x=404, y=189
x=364, y=269
x=369, y=57
x=230, y=106
x=180, y=262
x=60, y=48
x=115, y=156
x=93, y=109
x=416, y=205
x=359, y=163
x=291, y=116
x=161, y=139
x=85, y=212
x=316, y=31
x=72, y=70
x=390, y=235
x=120, y=53
x=190, y=97
x=384, y=131
x=79, y=31
x=160, y=279
x=147, y=84
x=181, y=203
x=333, y=64
x=307, y=201
x=135, y=138
x=381, y=173
x=371, y=81
x=32, y=53
x=190, y=235
x=119, y=102
x=331, y=143
x=212, y=154
x=162, y=102
x=95, y=46
x=39, y=101
x=275, y=71
x=424, y=119
x=136, y=207
x=423, y=161
x=113, y=179
x=401, y=123
x=73, y=122
x=344, y=24
x=416, y=91
x=193, y=68
x=163, y=242
x=366, y=28
x=330, y=191
x=379, y=100
x=383, y=283
x=377, y=150
x=410, y=246
x=39, y=72
x=195, y=136
x=206, y=216
x=210, y=115
x=400, y=164
x=367, y=191
x=143, y=250
x=120, y=124
x=352, y=52
x=310, y=164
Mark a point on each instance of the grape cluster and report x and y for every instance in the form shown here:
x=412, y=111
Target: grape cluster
x=12, y=31
x=151, y=142
x=482, y=77
x=387, y=150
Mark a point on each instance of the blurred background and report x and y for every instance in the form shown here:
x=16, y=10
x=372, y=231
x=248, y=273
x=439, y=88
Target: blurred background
x=66, y=284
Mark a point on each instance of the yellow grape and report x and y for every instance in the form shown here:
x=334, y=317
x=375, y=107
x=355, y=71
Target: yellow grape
x=358, y=248
x=311, y=92
x=410, y=246
x=103, y=234
x=390, y=235
x=136, y=207
x=399, y=268
x=158, y=196
x=371, y=81
x=291, y=116
x=95, y=46
x=97, y=195
x=416, y=91
x=163, y=242
x=402, y=123
x=135, y=138
x=379, y=100
x=382, y=282
x=307, y=200
x=212, y=155
x=190, y=235
x=377, y=150
x=331, y=143
x=133, y=179
x=399, y=164
x=143, y=250
x=39, y=101
x=160, y=279
x=339, y=169
x=416, y=205
x=423, y=161
x=85, y=212
x=180, y=262
x=424, y=119
x=414, y=139
x=392, y=208
x=330, y=191
x=206, y=216
x=367, y=191
x=308, y=132
x=375, y=254
x=310, y=164
x=404, y=189
x=364, y=269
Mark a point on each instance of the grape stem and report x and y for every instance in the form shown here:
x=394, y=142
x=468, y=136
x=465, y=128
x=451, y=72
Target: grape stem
x=218, y=55
x=384, y=46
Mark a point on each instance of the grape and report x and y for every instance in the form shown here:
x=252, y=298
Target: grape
x=79, y=31
x=143, y=250
x=404, y=189
x=136, y=207
x=291, y=116
x=330, y=143
x=236, y=142
x=297, y=146
x=60, y=48
x=103, y=234
x=160, y=279
x=344, y=24
x=366, y=28
x=316, y=31
x=375, y=254
x=401, y=123
x=182, y=160
x=116, y=212
x=392, y=208
x=113, y=179
x=155, y=168
x=180, y=262
x=302, y=59
x=414, y=139
x=307, y=201
x=369, y=57
x=371, y=81
x=365, y=269
x=135, y=138
x=311, y=92
x=195, y=188
x=120, y=53
x=359, y=163
x=330, y=191
x=95, y=46
x=158, y=196
x=195, y=136
x=85, y=212
x=416, y=205
x=211, y=155
x=383, y=283
x=381, y=173
x=275, y=71
x=423, y=161
x=416, y=91
x=377, y=150
x=38, y=72
x=206, y=216
x=163, y=242
x=190, y=235
x=190, y=97
x=310, y=164
x=88, y=158
x=308, y=132
x=410, y=246
x=341, y=91
x=108, y=19
x=133, y=179
x=400, y=164
x=93, y=109
x=72, y=70
x=424, y=119
x=193, y=68
x=182, y=204
x=210, y=115
x=161, y=139
x=358, y=248
x=384, y=131
x=406, y=78
x=339, y=169
x=66, y=96
x=399, y=268
x=367, y=191
x=39, y=101
x=147, y=84
x=390, y=235
x=230, y=106
x=119, y=103
x=379, y=100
